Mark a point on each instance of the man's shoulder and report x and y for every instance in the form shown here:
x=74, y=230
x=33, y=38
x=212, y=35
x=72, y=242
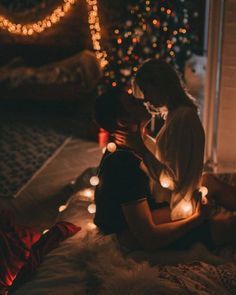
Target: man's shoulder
x=121, y=158
x=122, y=155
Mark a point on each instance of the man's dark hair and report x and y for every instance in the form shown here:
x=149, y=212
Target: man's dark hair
x=109, y=109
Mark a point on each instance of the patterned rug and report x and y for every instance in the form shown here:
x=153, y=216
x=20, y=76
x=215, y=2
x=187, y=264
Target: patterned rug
x=24, y=150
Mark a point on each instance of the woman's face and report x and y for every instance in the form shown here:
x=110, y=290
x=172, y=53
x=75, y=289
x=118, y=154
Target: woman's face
x=137, y=93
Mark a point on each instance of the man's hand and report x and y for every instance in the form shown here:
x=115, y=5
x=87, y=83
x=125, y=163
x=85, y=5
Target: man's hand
x=131, y=139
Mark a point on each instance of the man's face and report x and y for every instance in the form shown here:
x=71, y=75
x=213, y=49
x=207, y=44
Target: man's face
x=150, y=96
x=135, y=113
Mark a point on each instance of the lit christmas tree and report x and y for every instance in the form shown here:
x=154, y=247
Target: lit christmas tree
x=158, y=29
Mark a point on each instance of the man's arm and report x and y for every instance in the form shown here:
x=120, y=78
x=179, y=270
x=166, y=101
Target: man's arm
x=151, y=236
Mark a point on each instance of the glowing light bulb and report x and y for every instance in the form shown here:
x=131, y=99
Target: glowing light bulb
x=62, y=208
x=73, y=182
x=91, y=226
x=130, y=91
x=119, y=40
x=86, y=195
x=187, y=207
x=111, y=147
x=154, y=21
x=89, y=193
x=94, y=180
x=92, y=208
x=45, y=231
x=204, y=191
x=165, y=182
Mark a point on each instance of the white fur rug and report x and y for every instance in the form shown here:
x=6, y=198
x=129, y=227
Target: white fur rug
x=90, y=264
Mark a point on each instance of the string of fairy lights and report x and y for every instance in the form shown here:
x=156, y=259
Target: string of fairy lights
x=39, y=26
x=95, y=29
x=56, y=15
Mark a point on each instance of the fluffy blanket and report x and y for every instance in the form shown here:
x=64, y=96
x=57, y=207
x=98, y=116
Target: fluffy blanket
x=89, y=263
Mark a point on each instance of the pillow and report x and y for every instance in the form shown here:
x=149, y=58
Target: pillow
x=48, y=241
x=15, y=245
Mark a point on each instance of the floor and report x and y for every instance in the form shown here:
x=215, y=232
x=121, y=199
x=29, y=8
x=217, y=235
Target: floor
x=37, y=205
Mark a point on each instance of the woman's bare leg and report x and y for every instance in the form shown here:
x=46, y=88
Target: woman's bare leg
x=223, y=229
x=224, y=194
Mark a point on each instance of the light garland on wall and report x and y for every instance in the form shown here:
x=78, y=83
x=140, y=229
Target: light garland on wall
x=95, y=29
x=39, y=26
x=55, y=17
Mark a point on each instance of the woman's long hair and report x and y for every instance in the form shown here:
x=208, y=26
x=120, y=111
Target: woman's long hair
x=165, y=83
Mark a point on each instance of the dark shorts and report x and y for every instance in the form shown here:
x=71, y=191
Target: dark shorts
x=200, y=234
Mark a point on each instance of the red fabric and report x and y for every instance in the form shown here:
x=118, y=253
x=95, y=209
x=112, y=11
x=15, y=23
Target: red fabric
x=15, y=245
x=22, y=249
x=49, y=241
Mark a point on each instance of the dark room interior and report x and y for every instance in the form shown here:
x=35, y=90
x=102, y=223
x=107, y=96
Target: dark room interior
x=58, y=60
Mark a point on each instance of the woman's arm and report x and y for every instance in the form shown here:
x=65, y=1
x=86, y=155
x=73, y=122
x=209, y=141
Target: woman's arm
x=135, y=141
x=150, y=143
x=151, y=236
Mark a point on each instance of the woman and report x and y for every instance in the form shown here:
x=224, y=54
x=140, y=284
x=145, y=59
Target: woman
x=175, y=158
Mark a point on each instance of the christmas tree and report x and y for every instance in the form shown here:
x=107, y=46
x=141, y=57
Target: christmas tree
x=159, y=29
